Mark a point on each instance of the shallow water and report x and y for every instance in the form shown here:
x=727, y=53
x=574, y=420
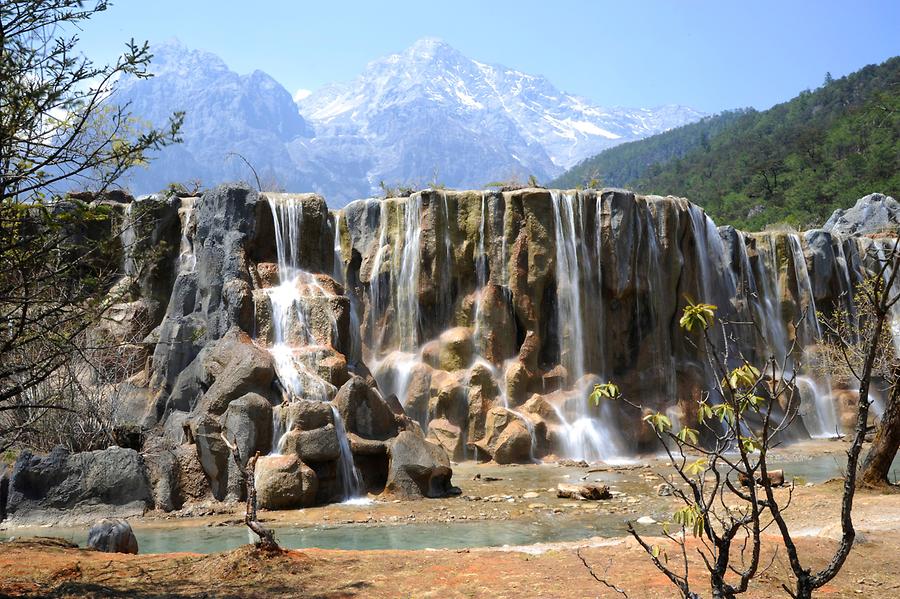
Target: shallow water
x=539, y=526
x=443, y=535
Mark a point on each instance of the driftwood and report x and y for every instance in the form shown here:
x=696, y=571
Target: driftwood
x=590, y=491
x=266, y=537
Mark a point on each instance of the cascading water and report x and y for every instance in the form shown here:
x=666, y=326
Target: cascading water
x=187, y=260
x=594, y=324
x=291, y=329
x=585, y=436
x=481, y=273
x=824, y=423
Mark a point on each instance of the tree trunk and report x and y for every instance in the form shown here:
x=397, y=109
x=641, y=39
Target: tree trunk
x=884, y=448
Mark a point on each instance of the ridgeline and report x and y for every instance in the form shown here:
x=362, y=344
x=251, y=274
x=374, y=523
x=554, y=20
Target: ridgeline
x=794, y=163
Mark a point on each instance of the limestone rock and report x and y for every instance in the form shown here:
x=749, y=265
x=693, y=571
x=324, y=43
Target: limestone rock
x=364, y=412
x=457, y=348
x=304, y=414
x=112, y=535
x=112, y=480
x=316, y=445
x=215, y=457
x=248, y=422
x=285, y=482
x=448, y=436
x=507, y=439
x=873, y=213
x=417, y=468
x=245, y=368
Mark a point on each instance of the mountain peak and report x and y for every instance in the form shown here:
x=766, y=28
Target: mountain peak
x=428, y=48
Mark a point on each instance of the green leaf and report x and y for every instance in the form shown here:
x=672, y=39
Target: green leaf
x=704, y=412
x=697, y=316
x=696, y=467
x=607, y=390
x=658, y=421
x=688, y=435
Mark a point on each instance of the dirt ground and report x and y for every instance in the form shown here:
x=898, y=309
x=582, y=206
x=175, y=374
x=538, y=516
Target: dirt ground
x=38, y=567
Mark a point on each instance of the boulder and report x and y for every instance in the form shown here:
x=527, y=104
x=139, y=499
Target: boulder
x=4, y=491
x=507, y=438
x=75, y=485
x=874, y=213
x=448, y=436
x=245, y=368
x=305, y=414
x=417, y=468
x=448, y=397
x=514, y=444
x=215, y=457
x=366, y=447
x=316, y=445
x=457, y=346
x=112, y=535
x=285, y=482
x=364, y=412
x=248, y=422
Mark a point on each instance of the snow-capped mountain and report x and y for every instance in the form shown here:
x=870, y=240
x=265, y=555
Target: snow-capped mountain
x=547, y=123
x=426, y=114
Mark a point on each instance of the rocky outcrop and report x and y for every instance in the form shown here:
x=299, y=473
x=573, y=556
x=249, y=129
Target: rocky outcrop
x=71, y=487
x=417, y=469
x=874, y=213
x=485, y=318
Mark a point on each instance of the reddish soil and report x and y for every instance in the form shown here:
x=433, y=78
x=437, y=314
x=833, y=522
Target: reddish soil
x=46, y=568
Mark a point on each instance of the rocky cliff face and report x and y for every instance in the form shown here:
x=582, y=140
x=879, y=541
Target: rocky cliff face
x=363, y=349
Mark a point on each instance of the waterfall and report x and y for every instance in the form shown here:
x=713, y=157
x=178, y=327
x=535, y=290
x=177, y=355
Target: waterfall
x=350, y=482
x=569, y=318
x=376, y=307
x=408, y=281
x=586, y=437
x=481, y=272
x=289, y=307
x=187, y=260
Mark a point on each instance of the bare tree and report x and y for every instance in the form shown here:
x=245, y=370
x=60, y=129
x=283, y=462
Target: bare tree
x=59, y=129
x=728, y=499
x=845, y=350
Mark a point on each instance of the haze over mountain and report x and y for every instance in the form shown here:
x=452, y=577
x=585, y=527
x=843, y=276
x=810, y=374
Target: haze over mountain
x=427, y=114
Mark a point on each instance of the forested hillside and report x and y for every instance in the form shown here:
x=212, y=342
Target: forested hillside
x=794, y=163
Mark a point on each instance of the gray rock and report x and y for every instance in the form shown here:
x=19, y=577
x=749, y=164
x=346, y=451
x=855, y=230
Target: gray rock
x=70, y=486
x=246, y=368
x=4, y=492
x=317, y=445
x=112, y=535
x=873, y=213
x=417, y=468
x=305, y=414
x=248, y=420
x=364, y=412
x=214, y=455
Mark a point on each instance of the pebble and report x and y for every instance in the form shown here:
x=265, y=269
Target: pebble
x=536, y=506
x=646, y=521
x=530, y=495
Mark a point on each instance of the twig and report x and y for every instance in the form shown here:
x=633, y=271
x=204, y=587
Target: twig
x=597, y=578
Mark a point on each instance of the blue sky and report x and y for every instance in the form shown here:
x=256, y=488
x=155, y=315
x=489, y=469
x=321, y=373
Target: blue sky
x=711, y=55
